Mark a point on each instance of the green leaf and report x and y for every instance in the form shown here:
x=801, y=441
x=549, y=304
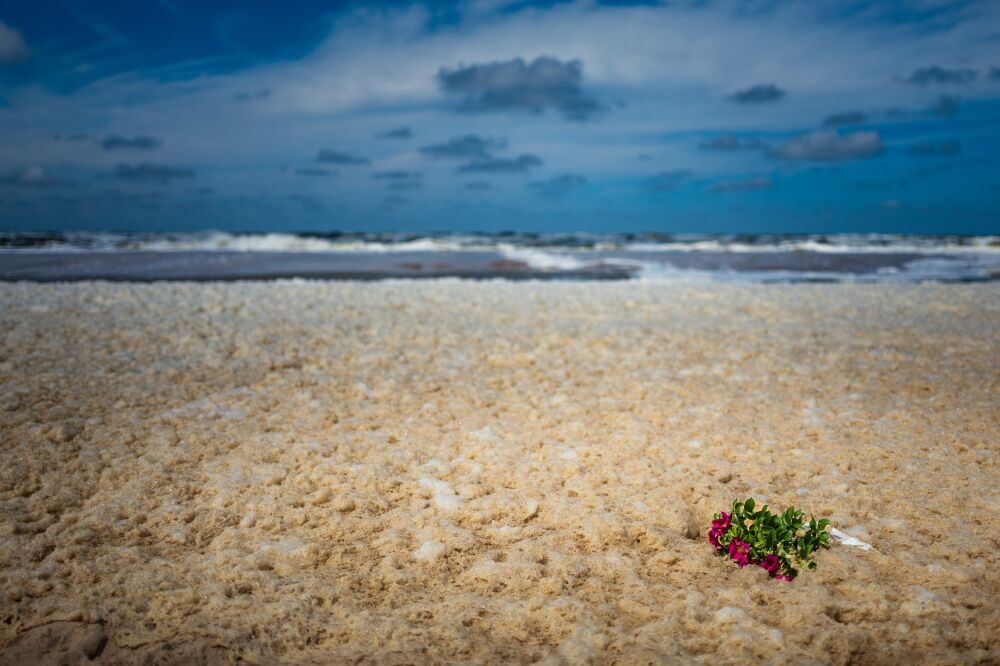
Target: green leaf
x=777, y=533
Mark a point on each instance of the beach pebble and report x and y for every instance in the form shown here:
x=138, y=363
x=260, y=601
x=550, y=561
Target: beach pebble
x=429, y=551
x=447, y=503
x=731, y=615
x=345, y=504
x=484, y=434
x=921, y=601
x=530, y=509
x=471, y=491
x=321, y=497
x=436, y=487
x=436, y=465
x=958, y=573
x=567, y=453
x=582, y=648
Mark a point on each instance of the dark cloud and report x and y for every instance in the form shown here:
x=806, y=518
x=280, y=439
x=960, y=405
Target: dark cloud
x=932, y=75
x=478, y=153
x=251, y=96
x=403, y=132
x=158, y=173
x=946, y=106
x=116, y=142
x=328, y=156
x=667, y=180
x=994, y=74
x=518, y=164
x=309, y=171
x=759, y=94
x=558, y=186
x=478, y=186
x=937, y=148
x=514, y=85
x=846, y=118
x=742, y=185
x=829, y=146
x=401, y=180
x=731, y=143
x=33, y=176
x=468, y=147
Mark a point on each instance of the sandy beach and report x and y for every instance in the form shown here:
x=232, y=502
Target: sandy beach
x=493, y=472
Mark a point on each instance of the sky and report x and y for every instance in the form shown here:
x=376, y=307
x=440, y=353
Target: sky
x=484, y=115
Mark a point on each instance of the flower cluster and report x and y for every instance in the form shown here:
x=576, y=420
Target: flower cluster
x=771, y=541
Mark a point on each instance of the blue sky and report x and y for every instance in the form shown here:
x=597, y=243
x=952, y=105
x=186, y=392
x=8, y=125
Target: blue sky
x=700, y=116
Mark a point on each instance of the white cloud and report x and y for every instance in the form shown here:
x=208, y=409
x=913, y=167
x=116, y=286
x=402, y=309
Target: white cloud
x=12, y=47
x=673, y=65
x=377, y=58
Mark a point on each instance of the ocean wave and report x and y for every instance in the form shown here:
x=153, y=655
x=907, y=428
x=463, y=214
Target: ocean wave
x=565, y=246
x=540, y=259
x=564, y=243
x=650, y=257
x=841, y=243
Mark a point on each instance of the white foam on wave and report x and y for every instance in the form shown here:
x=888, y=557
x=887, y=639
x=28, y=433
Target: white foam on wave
x=955, y=267
x=284, y=242
x=541, y=259
x=224, y=241
x=944, y=258
x=562, y=252
x=237, y=242
x=833, y=244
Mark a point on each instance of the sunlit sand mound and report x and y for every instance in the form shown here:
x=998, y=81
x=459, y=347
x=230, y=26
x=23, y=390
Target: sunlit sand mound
x=468, y=472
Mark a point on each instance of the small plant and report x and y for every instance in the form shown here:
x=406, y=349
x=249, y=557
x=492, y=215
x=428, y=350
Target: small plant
x=772, y=541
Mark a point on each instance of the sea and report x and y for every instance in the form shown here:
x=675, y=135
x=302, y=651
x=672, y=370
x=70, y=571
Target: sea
x=347, y=255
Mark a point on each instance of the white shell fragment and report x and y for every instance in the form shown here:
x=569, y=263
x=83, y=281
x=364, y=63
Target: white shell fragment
x=847, y=540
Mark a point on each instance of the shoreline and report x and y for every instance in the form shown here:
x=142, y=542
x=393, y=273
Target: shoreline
x=316, y=472
x=762, y=265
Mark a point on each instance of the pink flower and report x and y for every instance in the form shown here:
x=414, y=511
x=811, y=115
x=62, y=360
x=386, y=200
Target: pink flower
x=739, y=551
x=722, y=523
x=719, y=527
x=788, y=578
x=772, y=563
